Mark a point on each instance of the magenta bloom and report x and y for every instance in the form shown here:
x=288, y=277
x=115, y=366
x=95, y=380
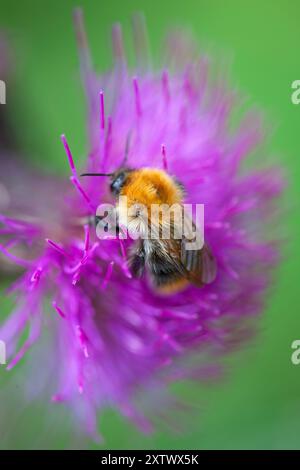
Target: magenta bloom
x=114, y=339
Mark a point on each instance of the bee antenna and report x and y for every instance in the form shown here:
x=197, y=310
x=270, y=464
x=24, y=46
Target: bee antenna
x=96, y=174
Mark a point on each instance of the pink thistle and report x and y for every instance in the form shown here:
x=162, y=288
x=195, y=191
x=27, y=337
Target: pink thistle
x=114, y=336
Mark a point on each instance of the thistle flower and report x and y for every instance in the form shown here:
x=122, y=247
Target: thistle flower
x=113, y=337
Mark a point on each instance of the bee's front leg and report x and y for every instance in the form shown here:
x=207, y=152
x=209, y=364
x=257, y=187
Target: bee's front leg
x=137, y=260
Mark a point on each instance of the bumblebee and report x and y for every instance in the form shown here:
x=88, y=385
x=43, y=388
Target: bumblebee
x=170, y=261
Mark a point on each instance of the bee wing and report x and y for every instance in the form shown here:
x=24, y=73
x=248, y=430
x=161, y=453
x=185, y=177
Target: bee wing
x=200, y=264
x=190, y=255
x=208, y=265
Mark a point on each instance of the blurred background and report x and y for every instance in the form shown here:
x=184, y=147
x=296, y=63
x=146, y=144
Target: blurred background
x=258, y=405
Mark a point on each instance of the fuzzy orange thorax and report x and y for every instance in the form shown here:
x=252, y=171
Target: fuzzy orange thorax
x=151, y=186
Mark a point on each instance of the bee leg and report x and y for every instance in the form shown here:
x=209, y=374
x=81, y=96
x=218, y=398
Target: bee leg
x=137, y=262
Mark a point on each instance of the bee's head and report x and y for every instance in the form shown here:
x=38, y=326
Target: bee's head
x=118, y=179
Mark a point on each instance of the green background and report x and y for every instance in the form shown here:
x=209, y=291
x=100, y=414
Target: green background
x=258, y=405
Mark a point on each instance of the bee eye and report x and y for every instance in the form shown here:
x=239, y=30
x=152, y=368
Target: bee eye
x=117, y=184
